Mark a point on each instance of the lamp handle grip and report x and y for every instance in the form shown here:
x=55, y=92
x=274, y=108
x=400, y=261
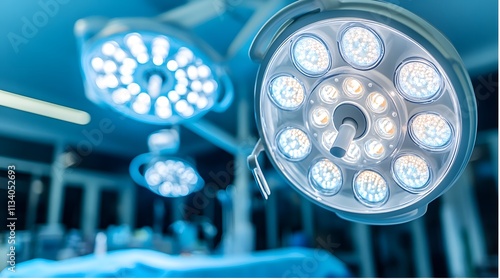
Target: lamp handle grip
x=135, y=167
x=254, y=166
x=228, y=97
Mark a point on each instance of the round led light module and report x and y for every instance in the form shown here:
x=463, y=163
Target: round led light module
x=326, y=177
x=361, y=47
x=368, y=116
x=293, y=143
x=310, y=55
x=286, y=92
x=370, y=188
x=431, y=131
x=418, y=80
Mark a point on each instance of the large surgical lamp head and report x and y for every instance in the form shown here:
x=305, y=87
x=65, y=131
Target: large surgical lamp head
x=163, y=173
x=150, y=70
x=364, y=108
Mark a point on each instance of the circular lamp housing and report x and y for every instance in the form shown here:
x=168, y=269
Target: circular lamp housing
x=166, y=175
x=153, y=72
x=413, y=100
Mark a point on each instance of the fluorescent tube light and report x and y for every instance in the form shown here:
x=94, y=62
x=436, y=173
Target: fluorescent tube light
x=43, y=108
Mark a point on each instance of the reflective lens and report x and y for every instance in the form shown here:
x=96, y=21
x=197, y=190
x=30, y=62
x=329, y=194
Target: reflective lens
x=294, y=144
x=286, y=92
x=329, y=94
x=374, y=149
x=326, y=177
x=310, y=55
x=320, y=117
x=353, y=87
x=376, y=102
x=360, y=47
x=411, y=172
x=121, y=96
x=353, y=153
x=418, y=81
x=431, y=131
x=370, y=188
x=385, y=127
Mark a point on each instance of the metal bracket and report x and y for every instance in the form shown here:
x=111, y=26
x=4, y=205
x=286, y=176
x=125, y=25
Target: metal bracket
x=253, y=164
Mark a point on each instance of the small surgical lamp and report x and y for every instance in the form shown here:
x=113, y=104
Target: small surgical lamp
x=165, y=174
x=363, y=107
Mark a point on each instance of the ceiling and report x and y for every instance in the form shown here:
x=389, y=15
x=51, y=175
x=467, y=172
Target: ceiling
x=46, y=66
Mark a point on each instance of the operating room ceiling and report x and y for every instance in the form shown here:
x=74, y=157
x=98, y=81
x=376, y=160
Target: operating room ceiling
x=46, y=66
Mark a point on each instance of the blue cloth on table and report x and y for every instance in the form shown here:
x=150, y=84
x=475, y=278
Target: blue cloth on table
x=288, y=262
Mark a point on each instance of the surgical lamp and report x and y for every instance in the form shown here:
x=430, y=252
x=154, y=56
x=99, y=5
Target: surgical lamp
x=165, y=174
x=151, y=70
x=363, y=107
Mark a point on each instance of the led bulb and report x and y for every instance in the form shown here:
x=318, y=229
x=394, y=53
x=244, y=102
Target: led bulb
x=173, y=96
x=141, y=108
x=111, y=81
x=204, y=71
x=143, y=98
x=133, y=39
x=129, y=63
x=371, y=188
x=328, y=138
x=329, y=94
x=97, y=63
x=209, y=86
x=385, y=127
x=182, y=106
x=108, y=48
x=109, y=66
x=119, y=55
x=163, y=108
x=152, y=177
x=196, y=86
x=286, y=92
x=374, y=149
x=310, y=55
x=353, y=87
x=172, y=65
x=418, y=81
x=142, y=58
x=126, y=79
x=202, y=102
x=431, y=131
x=325, y=177
x=361, y=47
x=121, y=96
x=353, y=153
x=294, y=143
x=320, y=117
x=376, y=102
x=134, y=88
x=411, y=172
x=192, y=97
